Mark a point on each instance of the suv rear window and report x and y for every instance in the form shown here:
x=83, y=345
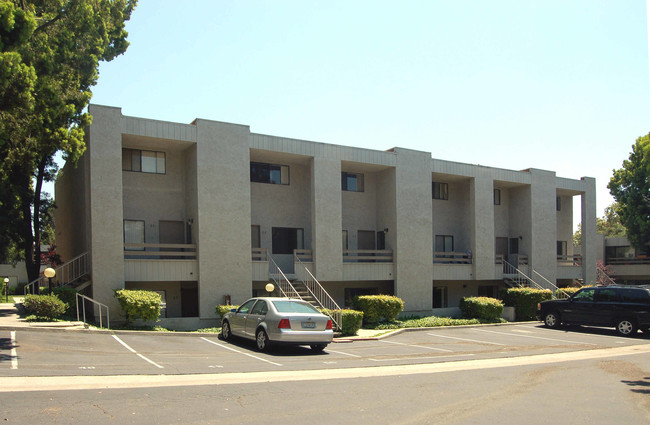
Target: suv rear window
x=605, y=295
x=631, y=295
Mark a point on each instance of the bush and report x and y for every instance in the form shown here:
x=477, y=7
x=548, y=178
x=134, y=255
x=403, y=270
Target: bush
x=378, y=308
x=223, y=309
x=525, y=301
x=139, y=304
x=568, y=291
x=68, y=296
x=482, y=308
x=351, y=320
x=47, y=306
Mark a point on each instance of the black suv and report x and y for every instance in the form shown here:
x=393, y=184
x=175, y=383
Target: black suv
x=623, y=307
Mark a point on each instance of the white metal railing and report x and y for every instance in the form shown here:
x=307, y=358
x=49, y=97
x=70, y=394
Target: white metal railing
x=452, y=257
x=99, y=306
x=519, y=277
x=306, y=255
x=602, y=274
x=160, y=251
x=65, y=273
x=628, y=260
x=557, y=292
x=368, y=255
x=319, y=294
x=281, y=281
x=260, y=254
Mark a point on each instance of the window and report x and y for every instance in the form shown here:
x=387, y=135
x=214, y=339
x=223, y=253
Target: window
x=134, y=233
x=561, y=248
x=558, y=203
x=255, y=236
x=286, y=239
x=260, y=308
x=245, y=308
x=606, y=295
x=585, y=295
x=440, y=190
x=269, y=173
x=351, y=182
x=143, y=161
x=497, y=196
x=444, y=243
x=345, y=240
x=440, y=297
x=633, y=295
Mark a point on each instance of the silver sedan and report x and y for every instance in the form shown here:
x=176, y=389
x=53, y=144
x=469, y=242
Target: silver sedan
x=271, y=320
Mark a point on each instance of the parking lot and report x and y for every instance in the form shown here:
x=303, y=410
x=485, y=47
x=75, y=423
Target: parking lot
x=56, y=353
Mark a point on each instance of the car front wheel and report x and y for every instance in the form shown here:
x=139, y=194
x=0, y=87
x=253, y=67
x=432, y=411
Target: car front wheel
x=225, y=331
x=262, y=340
x=552, y=320
x=626, y=327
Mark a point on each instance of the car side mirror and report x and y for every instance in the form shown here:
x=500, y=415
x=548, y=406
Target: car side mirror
x=233, y=310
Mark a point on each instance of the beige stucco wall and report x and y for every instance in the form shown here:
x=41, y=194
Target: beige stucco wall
x=452, y=216
x=326, y=216
x=481, y=224
x=543, y=243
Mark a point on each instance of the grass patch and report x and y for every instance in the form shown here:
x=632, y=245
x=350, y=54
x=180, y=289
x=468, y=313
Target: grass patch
x=208, y=330
x=427, y=322
x=34, y=318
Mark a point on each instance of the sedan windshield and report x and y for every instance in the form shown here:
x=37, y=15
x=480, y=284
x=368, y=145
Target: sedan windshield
x=293, y=307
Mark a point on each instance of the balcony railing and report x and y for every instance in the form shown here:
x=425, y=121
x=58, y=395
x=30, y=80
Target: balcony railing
x=628, y=261
x=303, y=255
x=368, y=256
x=452, y=257
x=159, y=251
x=569, y=260
x=260, y=254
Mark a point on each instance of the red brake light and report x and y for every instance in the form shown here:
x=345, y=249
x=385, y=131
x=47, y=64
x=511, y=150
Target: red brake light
x=329, y=324
x=284, y=324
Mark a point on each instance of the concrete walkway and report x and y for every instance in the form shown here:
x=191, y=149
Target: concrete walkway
x=12, y=317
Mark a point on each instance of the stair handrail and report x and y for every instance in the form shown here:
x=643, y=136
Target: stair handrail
x=281, y=281
x=509, y=267
x=65, y=273
x=322, y=297
x=557, y=289
x=600, y=269
x=99, y=305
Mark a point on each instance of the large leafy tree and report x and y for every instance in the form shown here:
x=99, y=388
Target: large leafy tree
x=608, y=225
x=630, y=186
x=49, y=54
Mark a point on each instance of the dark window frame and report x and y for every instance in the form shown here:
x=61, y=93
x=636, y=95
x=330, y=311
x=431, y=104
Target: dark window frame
x=497, y=196
x=263, y=172
x=359, y=182
x=440, y=191
x=132, y=167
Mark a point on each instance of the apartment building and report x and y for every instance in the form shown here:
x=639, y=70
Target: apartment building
x=208, y=213
x=622, y=262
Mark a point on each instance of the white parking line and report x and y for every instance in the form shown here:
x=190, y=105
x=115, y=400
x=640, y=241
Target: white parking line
x=240, y=352
x=418, y=346
x=14, y=355
x=136, y=353
x=427, y=357
x=466, y=339
x=345, y=354
x=536, y=337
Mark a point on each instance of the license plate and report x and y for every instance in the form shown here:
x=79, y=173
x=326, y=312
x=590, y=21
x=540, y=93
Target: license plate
x=308, y=325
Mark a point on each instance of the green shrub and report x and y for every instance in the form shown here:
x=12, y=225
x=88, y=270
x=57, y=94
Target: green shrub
x=68, y=296
x=378, y=308
x=47, y=306
x=482, y=308
x=139, y=304
x=568, y=291
x=222, y=309
x=351, y=320
x=525, y=301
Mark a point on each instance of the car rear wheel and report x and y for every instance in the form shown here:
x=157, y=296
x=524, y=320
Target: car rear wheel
x=626, y=327
x=552, y=320
x=318, y=347
x=225, y=331
x=262, y=340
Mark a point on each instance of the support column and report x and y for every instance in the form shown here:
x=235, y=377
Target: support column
x=588, y=226
x=482, y=231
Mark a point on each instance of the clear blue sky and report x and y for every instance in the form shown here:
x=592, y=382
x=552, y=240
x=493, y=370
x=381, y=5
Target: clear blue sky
x=561, y=85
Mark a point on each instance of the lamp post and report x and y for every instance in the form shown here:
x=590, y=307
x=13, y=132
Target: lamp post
x=6, y=289
x=49, y=273
x=269, y=288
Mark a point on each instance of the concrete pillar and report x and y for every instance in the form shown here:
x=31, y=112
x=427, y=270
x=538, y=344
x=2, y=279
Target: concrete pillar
x=106, y=206
x=223, y=214
x=589, y=234
x=482, y=230
x=326, y=218
x=543, y=233
x=414, y=222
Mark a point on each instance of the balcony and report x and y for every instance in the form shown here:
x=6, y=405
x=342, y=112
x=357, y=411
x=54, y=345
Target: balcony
x=152, y=262
x=452, y=265
x=569, y=266
x=368, y=264
x=636, y=268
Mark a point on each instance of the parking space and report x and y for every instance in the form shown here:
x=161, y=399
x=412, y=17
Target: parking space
x=45, y=353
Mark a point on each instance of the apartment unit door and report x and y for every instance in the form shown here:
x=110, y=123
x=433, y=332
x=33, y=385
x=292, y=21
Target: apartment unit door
x=501, y=249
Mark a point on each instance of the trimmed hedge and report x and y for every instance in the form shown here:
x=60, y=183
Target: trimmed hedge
x=569, y=291
x=482, y=308
x=68, y=296
x=222, y=309
x=139, y=304
x=351, y=319
x=378, y=308
x=525, y=301
x=47, y=306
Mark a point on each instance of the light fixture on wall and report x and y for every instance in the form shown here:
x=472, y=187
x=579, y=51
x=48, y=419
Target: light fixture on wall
x=386, y=230
x=520, y=237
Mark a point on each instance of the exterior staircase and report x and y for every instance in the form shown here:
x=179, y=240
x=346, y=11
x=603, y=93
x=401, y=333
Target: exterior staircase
x=73, y=273
x=515, y=278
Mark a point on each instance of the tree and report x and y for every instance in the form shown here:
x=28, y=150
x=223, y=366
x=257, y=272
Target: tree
x=608, y=225
x=49, y=55
x=630, y=186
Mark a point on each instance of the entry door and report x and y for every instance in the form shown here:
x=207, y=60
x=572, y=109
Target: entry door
x=366, y=239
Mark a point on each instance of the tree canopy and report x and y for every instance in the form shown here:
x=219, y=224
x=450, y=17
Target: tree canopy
x=630, y=186
x=49, y=56
x=608, y=225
